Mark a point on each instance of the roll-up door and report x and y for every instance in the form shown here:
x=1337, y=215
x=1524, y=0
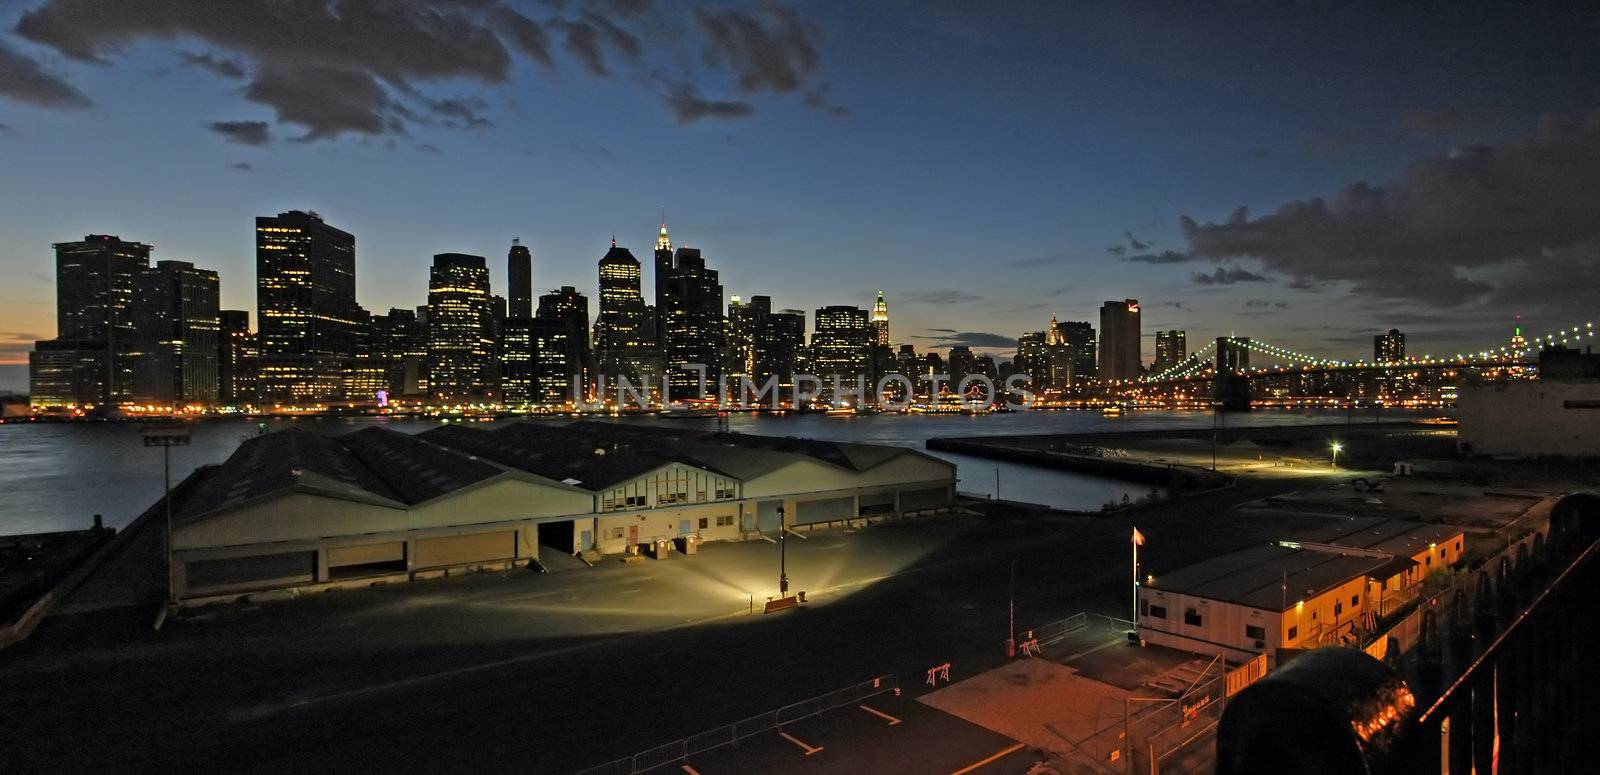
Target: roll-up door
x=366, y=554
x=825, y=510
x=876, y=503
x=460, y=550
x=931, y=498
x=260, y=570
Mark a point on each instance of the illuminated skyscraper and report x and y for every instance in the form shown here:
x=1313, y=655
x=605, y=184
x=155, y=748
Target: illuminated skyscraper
x=662, y=279
x=1171, y=348
x=880, y=321
x=460, y=329
x=840, y=345
x=1119, y=340
x=236, y=359
x=742, y=328
x=91, y=361
x=519, y=279
x=1391, y=347
x=306, y=307
x=178, y=327
x=624, y=343
x=692, y=312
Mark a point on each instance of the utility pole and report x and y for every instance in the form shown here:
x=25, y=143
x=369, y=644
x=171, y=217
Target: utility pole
x=1216, y=419
x=783, y=571
x=166, y=437
x=997, y=483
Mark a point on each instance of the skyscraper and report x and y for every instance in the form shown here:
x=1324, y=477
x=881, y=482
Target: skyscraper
x=460, y=329
x=178, y=324
x=1390, y=347
x=742, y=327
x=692, y=311
x=97, y=281
x=662, y=279
x=839, y=345
x=780, y=349
x=880, y=321
x=1171, y=348
x=1078, y=337
x=571, y=309
x=519, y=279
x=399, y=343
x=624, y=346
x=306, y=307
x=1119, y=340
x=236, y=359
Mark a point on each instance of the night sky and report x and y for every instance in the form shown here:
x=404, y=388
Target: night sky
x=1306, y=173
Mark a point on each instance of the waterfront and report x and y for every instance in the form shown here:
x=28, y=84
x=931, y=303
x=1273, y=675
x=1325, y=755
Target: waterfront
x=56, y=476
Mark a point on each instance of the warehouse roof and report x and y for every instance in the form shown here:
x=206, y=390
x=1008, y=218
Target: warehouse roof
x=1270, y=578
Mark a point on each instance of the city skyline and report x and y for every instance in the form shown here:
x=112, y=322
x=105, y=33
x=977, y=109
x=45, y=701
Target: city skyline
x=833, y=164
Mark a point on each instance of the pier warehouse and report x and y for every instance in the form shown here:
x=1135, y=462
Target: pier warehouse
x=292, y=509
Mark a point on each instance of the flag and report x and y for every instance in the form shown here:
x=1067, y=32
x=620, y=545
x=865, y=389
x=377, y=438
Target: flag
x=1138, y=537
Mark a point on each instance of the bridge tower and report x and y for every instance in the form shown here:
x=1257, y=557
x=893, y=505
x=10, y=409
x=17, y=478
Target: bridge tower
x=1229, y=389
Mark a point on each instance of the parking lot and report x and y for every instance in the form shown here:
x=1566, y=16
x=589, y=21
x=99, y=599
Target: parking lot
x=884, y=733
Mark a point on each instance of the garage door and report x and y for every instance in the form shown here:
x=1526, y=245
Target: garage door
x=262, y=570
x=366, y=554
x=460, y=550
x=825, y=510
x=917, y=500
x=876, y=503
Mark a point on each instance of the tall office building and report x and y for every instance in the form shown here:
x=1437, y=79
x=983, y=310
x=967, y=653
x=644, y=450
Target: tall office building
x=780, y=349
x=460, y=329
x=742, y=326
x=1390, y=347
x=1171, y=348
x=692, y=311
x=880, y=321
x=1119, y=340
x=91, y=360
x=399, y=344
x=236, y=359
x=1078, y=337
x=625, y=343
x=519, y=279
x=307, y=317
x=572, y=308
x=663, y=271
x=178, y=322
x=840, y=344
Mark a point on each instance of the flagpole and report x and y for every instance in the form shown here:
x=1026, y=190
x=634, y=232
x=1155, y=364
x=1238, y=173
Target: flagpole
x=1135, y=618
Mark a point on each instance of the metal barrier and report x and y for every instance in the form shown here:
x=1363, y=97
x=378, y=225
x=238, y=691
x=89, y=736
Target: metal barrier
x=1053, y=632
x=731, y=734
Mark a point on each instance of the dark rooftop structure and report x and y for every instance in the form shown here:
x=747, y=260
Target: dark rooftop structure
x=1270, y=578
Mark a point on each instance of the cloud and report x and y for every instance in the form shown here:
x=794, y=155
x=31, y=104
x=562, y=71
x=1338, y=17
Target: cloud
x=943, y=296
x=242, y=166
x=974, y=339
x=365, y=67
x=1431, y=123
x=6, y=128
x=1267, y=303
x=1445, y=232
x=1228, y=275
x=1040, y=260
x=1172, y=304
x=243, y=132
x=227, y=68
x=1164, y=257
x=428, y=148
x=688, y=106
x=1133, y=242
x=22, y=79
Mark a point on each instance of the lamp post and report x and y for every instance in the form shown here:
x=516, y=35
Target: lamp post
x=783, y=572
x=1336, y=447
x=166, y=437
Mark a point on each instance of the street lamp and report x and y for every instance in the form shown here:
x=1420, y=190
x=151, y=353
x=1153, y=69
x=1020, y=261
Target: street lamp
x=1336, y=447
x=166, y=437
x=783, y=573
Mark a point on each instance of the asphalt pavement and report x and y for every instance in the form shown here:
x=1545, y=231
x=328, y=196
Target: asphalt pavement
x=557, y=672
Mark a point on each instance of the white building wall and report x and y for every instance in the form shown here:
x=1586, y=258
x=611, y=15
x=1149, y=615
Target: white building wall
x=1530, y=418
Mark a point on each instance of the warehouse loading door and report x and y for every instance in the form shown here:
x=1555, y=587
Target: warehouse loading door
x=767, y=516
x=467, y=549
x=825, y=510
x=557, y=535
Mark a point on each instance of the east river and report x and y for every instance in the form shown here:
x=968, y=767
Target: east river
x=56, y=476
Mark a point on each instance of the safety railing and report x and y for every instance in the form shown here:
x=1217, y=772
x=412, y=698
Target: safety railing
x=731, y=734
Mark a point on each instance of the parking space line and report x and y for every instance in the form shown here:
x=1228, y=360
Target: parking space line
x=993, y=757
x=690, y=770
x=880, y=714
x=804, y=746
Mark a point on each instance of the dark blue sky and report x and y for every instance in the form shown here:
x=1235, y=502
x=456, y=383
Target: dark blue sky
x=986, y=167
